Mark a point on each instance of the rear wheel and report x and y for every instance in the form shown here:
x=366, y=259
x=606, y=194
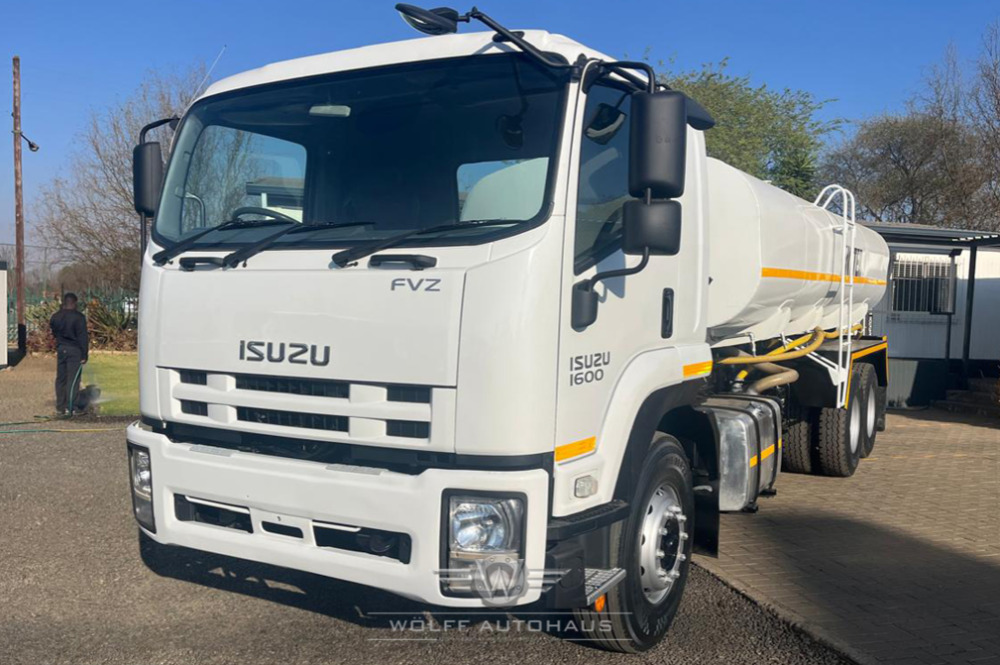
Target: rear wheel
x=840, y=434
x=869, y=397
x=654, y=547
x=797, y=440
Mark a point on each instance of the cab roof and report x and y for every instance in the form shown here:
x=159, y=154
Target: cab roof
x=411, y=50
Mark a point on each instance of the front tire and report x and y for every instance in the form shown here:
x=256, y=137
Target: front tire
x=654, y=547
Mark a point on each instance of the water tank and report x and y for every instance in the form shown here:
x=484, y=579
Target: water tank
x=775, y=261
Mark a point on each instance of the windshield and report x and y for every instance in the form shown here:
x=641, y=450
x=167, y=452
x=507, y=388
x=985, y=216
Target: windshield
x=382, y=150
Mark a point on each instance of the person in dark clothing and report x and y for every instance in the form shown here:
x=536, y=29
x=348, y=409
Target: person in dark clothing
x=69, y=327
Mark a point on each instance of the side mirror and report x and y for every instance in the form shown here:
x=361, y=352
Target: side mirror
x=584, y=305
x=147, y=177
x=653, y=226
x=657, y=144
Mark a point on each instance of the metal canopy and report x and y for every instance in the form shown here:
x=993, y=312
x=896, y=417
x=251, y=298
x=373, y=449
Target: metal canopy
x=922, y=234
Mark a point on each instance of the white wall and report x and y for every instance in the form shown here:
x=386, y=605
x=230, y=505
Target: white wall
x=919, y=335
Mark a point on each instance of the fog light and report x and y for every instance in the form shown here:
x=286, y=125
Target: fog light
x=585, y=486
x=481, y=531
x=141, y=480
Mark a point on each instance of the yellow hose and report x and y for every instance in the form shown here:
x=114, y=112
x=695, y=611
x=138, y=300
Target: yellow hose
x=778, y=353
x=816, y=339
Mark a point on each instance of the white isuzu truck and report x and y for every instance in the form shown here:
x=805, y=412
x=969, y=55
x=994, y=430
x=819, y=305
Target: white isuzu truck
x=475, y=320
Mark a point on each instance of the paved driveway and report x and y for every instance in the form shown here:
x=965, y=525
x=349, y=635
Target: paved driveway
x=899, y=564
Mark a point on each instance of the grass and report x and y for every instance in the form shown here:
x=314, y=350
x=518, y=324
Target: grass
x=117, y=375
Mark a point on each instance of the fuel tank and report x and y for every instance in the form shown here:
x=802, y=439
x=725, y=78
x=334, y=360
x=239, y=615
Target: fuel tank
x=775, y=261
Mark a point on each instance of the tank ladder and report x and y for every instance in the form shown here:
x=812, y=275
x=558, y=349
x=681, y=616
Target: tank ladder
x=848, y=273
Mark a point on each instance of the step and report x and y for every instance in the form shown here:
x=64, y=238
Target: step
x=991, y=386
x=991, y=410
x=972, y=397
x=598, y=581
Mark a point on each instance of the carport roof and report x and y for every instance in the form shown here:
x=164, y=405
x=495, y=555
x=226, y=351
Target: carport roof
x=923, y=234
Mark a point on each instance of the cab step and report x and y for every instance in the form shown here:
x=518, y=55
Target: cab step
x=599, y=581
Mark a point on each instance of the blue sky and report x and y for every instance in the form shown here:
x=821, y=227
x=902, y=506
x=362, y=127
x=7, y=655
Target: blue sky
x=77, y=57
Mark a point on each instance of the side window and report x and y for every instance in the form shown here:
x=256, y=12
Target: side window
x=603, y=187
x=231, y=168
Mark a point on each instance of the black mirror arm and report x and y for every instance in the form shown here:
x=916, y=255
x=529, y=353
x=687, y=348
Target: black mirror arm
x=621, y=272
x=513, y=37
x=173, y=120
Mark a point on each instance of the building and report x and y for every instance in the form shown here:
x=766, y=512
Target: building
x=941, y=311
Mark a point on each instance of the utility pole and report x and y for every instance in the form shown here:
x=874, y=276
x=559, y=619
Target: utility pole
x=22, y=331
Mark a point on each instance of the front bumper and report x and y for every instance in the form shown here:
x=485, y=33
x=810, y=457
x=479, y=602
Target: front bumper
x=298, y=493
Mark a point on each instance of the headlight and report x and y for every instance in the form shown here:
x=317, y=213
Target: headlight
x=485, y=525
x=141, y=480
x=482, y=531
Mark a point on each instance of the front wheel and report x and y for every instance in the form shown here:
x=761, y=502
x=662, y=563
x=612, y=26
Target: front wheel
x=654, y=547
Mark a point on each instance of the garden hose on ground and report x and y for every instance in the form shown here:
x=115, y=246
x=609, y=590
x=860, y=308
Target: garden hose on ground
x=61, y=431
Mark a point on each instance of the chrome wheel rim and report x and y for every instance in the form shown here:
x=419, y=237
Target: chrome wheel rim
x=870, y=416
x=854, y=429
x=661, y=544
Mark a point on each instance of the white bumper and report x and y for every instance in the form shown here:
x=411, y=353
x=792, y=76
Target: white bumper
x=296, y=493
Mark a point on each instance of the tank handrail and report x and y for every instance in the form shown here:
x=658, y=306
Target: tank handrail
x=848, y=270
x=830, y=192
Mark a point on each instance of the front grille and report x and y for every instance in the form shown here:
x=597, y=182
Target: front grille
x=408, y=429
x=194, y=408
x=370, y=541
x=324, y=410
x=413, y=394
x=292, y=419
x=209, y=512
x=193, y=377
x=288, y=386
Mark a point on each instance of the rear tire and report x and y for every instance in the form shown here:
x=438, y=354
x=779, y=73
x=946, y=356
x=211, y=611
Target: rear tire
x=639, y=611
x=869, y=406
x=840, y=434
x=797, y=440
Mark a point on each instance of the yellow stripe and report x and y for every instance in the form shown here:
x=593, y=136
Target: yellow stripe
x=767, y=452
x=870, y=350
x=753, y=461
x=860, y=354
x=576, y=448
x=786, y=273
x=697, y=369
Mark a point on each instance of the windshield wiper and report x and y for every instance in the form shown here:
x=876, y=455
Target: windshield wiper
x=233, y=259
x=165, y=255
x=348, y=257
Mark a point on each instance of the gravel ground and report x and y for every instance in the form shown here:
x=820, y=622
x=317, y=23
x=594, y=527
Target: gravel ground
x=73, y=588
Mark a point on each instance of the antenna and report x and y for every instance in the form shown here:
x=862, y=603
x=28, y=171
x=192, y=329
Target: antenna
x=211, y=69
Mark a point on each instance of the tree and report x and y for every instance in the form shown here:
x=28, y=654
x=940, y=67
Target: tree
x=87, y=214
x=772, y=134
x=937, y=162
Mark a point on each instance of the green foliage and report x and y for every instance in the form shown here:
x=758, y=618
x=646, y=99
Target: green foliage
x=771, y=134
x=111, y=320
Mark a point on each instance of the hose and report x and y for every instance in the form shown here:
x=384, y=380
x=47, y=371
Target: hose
x=61, y=431
x=780, y=376
x=71, y=388
x=816, y=339
x=833, y=334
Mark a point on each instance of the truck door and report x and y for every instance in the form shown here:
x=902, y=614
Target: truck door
x=648, y=317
